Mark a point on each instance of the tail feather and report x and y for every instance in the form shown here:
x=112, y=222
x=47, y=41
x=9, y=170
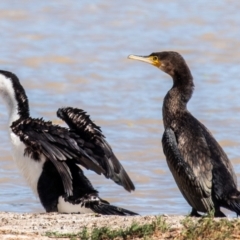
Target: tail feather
x=107, y=209
x=232, y=201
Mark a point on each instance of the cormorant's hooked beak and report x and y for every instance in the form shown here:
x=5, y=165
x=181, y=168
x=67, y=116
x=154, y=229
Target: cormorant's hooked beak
x=153, y=60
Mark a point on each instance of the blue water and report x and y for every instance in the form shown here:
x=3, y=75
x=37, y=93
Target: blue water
x=75, y=53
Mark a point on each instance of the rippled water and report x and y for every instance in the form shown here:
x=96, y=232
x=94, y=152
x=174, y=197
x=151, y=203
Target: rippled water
x=75, y=53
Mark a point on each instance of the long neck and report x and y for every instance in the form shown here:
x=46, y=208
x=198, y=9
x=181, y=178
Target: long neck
x=22, y=100
x=15, y=99
x=175, y=102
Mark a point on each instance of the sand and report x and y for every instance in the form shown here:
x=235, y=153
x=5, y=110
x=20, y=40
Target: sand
x=37, y=225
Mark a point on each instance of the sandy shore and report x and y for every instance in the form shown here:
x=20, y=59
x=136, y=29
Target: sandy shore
x=36, y=226
x=14, y=226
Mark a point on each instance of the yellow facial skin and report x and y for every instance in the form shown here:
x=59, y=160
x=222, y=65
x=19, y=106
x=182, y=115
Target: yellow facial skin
x=154, y=60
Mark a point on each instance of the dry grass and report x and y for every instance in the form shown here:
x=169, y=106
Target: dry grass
x=204, y=228
x=135, y=231
x=45, y=226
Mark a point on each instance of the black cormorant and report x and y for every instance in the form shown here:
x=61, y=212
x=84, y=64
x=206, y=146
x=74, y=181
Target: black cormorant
x=50, y=157
x=199, y=165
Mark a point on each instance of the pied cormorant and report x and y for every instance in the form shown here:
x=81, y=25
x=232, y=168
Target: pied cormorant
x=50, y=157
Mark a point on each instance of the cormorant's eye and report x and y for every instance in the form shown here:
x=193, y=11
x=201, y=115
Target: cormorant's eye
x=155, y=58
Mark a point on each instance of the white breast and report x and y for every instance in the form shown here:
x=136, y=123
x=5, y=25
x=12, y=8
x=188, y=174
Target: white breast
x=66, y=207
x=30, y=169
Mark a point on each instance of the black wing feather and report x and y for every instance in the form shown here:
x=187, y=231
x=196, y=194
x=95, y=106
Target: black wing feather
x=57, y=144
x=195, y=189
x=80, y=123
x=83, y=192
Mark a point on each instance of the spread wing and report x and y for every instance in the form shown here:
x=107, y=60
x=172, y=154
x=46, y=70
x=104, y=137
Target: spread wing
x=56, y=144
x=191, y=168
x=80, y=123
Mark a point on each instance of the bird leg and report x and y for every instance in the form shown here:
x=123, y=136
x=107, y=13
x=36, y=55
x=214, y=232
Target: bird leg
x=219, y=213
x=194, y=213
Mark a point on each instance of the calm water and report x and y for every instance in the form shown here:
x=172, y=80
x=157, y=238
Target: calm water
x=76, y=54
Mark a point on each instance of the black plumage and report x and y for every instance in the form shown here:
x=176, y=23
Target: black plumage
x=199, y=165
x=50, y=156
x=80, y=123
x=55, y=143
x=50, y=185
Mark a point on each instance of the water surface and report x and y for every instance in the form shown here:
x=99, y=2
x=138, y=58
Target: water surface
x=75, y=54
